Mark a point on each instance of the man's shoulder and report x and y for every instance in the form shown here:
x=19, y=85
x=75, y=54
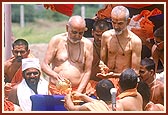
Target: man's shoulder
x=59, y=36
x=87, y=41
x=108, y=33
x=133, y=35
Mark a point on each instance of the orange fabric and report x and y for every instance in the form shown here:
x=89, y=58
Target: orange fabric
x=8, y=106
x=115, y=82
x=15, y=80
x=105, y=12
x=146, y=26
x=91, y=87
x=66, y=9
x=129, y=92
x=54, y=91
x=18, y=76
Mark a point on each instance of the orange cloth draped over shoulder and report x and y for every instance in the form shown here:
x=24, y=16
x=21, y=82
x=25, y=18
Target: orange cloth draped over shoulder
x=129, y=92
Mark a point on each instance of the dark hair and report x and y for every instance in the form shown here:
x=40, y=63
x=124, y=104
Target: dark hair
x=159, y=33
x=20, y=42
x=144, y=90
x=148, y=63
x=101, y=24
x=128, y=79
x=103, y=89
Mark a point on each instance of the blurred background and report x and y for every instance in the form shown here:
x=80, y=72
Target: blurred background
x=40, y=24
x=37, y=23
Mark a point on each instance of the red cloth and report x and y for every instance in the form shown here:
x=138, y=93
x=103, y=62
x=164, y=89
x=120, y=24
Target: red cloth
x=137, y=6
x=66, y=9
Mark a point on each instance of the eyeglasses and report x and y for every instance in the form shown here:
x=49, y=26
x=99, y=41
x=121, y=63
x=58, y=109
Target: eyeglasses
x=34, y=73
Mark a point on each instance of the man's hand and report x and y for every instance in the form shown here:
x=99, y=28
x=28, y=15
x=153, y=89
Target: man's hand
x=104, y=76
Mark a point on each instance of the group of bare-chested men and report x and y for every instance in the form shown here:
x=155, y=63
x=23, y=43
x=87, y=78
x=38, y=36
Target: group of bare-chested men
x=72, y=57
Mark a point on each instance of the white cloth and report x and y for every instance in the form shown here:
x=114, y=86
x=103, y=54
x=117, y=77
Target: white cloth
x=24, y=93
x=30, y=63
x=160, y=76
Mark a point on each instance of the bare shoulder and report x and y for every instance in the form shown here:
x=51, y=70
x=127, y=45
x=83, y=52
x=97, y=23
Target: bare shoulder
x=8, y=63
x=159, y=82
x=134, y=38
x=87, y=42
x=57, y=38
x=108, y=33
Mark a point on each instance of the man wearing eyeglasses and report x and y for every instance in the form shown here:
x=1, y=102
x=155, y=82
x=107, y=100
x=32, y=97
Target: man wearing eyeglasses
x=70, y=55
x=31, y=84
x=12, y=66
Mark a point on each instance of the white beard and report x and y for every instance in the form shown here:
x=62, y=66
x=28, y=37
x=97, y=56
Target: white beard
x=73, y=41
x=120, y=32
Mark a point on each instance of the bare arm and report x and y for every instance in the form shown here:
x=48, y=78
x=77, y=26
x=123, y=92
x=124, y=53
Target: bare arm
x=155, y=56
x=104, y=50
x=87, y=68
x=69, y=105
x=49, y=56
x=13, y=95
x=136, y=54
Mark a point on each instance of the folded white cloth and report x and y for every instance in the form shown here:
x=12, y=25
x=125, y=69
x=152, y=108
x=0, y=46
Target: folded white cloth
x=30, y=63
x=24, y=93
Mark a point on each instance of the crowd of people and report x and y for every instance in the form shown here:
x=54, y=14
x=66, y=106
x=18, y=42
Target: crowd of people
x=79, y=67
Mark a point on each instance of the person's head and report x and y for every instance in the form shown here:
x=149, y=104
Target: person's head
x=159, y=38
x=76, y=27
x=120, y=19
x=20, y=49
x=99, y=27
x=31, y=71
x=103, y=89
x=128, y=79
x=144, y=90
x=147, y=69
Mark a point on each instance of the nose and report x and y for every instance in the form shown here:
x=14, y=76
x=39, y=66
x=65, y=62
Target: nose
x=19, y=54
x=32, y=75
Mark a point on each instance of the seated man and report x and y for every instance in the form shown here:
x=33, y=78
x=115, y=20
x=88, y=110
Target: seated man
x=148, y=105
x=103, y=104
x=31, y=84
x=148, y=74
x=12, y=66
x=158, y=49
x=129, y=99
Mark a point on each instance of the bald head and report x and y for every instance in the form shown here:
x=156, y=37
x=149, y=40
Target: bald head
x=76, y=21
x=120, y=12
